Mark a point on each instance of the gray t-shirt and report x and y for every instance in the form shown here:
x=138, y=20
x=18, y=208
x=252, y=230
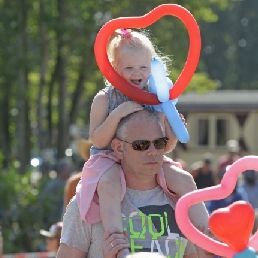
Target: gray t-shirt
x=148, y=218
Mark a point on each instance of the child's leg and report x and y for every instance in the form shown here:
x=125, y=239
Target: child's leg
x=181, y=182
x=109, y=190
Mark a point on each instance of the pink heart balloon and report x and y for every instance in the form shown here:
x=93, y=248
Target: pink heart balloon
x=224, y=189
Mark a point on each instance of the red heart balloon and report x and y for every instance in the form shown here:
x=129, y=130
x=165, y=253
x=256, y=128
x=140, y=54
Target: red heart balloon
x=233, y=225
x=141, y=22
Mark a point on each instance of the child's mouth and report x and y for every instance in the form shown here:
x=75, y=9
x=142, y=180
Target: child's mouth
x=136, y=82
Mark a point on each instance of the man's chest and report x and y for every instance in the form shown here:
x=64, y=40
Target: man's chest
x=153, y=228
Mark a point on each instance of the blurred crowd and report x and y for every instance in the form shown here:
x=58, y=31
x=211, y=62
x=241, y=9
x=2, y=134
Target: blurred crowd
x=206, y=174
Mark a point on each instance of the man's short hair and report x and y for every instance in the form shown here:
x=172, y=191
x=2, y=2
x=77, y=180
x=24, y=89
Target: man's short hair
x=142, y=115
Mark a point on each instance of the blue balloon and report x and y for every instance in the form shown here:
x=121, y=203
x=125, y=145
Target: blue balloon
x=168, y=107
x=247, y=253
x=158, y=77
x=175, y=121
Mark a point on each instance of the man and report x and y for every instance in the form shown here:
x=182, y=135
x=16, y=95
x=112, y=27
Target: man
x=202, y=172
x=52, y=196
x=148, y=213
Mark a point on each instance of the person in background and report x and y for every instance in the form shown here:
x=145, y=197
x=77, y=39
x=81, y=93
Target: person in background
x=52, y=197
x=70, y=188
x=52, y=237
x=238, y=194
x=250, y=187
x=202, y=172
x=228, y=159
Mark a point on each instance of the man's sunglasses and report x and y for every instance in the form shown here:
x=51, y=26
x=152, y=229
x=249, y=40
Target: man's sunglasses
x=142, y=145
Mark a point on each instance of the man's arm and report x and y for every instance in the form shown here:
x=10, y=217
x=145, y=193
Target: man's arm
x=65, y=251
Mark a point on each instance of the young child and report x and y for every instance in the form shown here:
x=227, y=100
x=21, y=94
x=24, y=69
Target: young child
x=130, y=53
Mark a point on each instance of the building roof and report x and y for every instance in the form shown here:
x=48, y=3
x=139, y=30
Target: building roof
x=222, y=100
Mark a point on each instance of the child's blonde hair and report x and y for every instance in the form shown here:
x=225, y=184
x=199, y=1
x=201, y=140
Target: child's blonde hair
x=126, y=41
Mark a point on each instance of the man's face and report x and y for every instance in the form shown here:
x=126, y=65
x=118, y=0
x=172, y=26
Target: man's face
x=142, y=164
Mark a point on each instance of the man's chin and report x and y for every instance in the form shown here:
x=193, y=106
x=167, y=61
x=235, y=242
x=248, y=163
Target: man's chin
x=153, y=167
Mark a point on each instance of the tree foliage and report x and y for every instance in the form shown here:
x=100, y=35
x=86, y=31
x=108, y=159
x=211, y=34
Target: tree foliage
x=48, y=71
x=229, y=46
x=19, y=212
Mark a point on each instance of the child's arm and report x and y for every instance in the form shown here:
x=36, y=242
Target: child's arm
x=103, y=125
x=181, y=182
x=168, y=132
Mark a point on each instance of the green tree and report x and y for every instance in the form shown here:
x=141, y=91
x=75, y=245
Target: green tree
x=229, y=52
x=48, y=71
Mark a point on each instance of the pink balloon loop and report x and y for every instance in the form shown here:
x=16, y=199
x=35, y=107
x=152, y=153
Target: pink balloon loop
x=220, y=191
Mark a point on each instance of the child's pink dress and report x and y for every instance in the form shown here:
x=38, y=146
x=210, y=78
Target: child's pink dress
x=99, y=163
x=94, y=168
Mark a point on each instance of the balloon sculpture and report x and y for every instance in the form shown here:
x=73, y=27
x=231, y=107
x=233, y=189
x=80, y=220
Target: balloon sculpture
x=120, y=83
x=232, y=225
x=160, y=85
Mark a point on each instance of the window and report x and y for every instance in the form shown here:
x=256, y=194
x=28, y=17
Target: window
x=212, y=130
x=203, y=132
x=221, y=132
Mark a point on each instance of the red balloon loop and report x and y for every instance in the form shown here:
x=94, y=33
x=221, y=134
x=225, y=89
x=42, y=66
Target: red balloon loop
x=142, y=22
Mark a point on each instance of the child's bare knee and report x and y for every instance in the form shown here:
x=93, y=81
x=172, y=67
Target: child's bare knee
x=109, y=181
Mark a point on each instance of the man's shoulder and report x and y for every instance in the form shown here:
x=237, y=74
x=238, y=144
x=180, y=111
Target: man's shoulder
x=72, y=207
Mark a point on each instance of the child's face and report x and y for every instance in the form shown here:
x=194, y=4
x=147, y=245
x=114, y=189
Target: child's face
x=135, y=68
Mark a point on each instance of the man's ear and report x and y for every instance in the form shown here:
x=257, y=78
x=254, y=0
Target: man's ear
x=117, y=147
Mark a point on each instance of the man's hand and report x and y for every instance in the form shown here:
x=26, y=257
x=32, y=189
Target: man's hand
x=201, y=252
x=113, y=242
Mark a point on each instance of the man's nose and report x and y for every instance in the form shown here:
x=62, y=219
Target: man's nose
x=152, y=151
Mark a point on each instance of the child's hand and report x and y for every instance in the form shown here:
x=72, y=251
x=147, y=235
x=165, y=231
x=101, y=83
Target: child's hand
x=113, y=242
x=211, y=235
x=127, y=108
